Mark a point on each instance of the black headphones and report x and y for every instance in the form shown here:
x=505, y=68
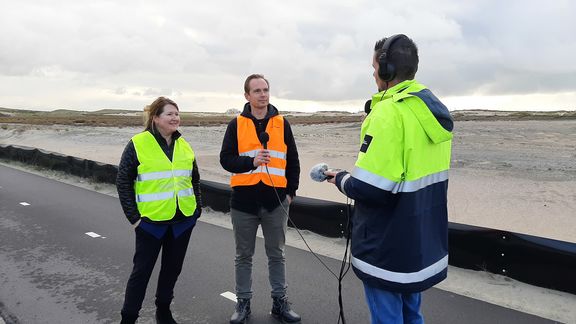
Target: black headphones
x=386, y=70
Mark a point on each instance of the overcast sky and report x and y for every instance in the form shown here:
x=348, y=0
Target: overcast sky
x=317, y=54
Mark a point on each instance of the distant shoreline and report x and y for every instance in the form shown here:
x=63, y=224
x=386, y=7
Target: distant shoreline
x=120, y=118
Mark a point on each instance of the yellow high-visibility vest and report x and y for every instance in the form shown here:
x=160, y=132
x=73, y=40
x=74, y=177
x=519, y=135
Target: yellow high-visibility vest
x=162, y=184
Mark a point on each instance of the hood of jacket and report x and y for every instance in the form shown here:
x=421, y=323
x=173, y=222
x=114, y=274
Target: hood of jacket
x=247, y=112
x=434, y=117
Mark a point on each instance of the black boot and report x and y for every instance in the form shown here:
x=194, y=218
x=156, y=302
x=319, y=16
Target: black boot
x=242, y=311
x=128, y=319
x=163, y=314
x=281, y=310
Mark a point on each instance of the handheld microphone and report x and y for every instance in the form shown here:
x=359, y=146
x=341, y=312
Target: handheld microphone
x=317, y=172
x=264, y=138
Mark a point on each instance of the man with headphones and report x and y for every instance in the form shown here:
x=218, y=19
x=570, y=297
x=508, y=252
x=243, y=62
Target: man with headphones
x=400, y=185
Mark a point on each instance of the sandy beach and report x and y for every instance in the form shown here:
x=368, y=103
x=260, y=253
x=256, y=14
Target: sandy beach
x=516, y=175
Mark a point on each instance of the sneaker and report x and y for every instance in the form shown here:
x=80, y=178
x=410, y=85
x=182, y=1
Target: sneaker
x=281, y=310
x=242, y=311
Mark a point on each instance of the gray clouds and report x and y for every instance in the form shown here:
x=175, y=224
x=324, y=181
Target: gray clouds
x=125, y=53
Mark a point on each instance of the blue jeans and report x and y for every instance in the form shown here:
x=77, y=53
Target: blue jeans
x=393, y=308
x=274, y=229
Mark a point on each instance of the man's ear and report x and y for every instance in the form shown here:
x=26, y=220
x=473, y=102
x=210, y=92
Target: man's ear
x=246, y=95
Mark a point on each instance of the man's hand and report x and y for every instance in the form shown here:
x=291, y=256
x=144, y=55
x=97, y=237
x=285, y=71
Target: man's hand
x=331, y=176
x=263, y=157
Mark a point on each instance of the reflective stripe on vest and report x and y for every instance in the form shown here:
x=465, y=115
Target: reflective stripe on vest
x=273, y=174
x=266, y=170
x=164, y=174
x=163, y=195
x=274, y=154
x=161, y=184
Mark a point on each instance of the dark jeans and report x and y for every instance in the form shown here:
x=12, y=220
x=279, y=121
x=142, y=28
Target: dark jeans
x=147, y=250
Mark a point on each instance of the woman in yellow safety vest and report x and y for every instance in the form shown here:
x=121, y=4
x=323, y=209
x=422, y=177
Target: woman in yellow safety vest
x=159, y=188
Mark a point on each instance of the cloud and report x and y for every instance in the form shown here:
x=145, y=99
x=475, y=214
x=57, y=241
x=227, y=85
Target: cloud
x=310, y=50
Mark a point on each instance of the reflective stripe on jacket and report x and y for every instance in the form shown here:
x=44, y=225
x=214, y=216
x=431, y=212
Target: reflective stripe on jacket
x=249, y=145
x=400, y=233
x=162, y=184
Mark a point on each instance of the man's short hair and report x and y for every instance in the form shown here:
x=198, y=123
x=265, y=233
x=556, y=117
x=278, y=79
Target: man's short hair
x=252, y=77
x=403, y=54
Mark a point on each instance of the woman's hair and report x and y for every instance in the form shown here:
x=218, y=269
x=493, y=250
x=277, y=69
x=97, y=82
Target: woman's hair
x=155, y=109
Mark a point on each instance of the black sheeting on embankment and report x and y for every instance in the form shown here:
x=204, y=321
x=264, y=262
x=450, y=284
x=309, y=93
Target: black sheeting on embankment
x=531, y=259
x=319, y=216
x=535, y=260
x=97, y=171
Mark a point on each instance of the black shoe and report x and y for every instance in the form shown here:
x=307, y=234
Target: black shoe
x=281, y=310
x=163, y=314
x=128, y=319
x=242, y=311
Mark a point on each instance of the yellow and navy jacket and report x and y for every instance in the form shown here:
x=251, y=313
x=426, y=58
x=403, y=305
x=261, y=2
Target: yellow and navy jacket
x=400, y=184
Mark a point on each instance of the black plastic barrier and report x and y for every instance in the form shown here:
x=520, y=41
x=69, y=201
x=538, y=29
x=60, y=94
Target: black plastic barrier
x=319, y=216
x=531, y=259
x=97, y=171
x=216, y=195
x=535, y=260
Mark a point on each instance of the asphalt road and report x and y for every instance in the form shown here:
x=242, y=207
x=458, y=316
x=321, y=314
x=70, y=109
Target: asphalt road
x=52, y=271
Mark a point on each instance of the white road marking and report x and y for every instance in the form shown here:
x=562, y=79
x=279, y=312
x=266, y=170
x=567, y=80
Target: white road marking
x=24, y=203
x=92, y=234
x=229, y=295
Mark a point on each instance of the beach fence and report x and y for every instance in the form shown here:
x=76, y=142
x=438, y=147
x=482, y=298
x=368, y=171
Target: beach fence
x=531, y=259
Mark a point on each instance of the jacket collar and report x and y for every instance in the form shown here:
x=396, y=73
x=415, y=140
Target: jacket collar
x=272, y=111
x=161, y=139
x=389, y=93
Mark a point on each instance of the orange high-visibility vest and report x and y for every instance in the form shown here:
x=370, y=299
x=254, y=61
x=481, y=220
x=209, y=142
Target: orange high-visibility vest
x=249, y=145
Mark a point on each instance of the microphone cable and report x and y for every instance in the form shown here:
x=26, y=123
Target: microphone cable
x=345, y=263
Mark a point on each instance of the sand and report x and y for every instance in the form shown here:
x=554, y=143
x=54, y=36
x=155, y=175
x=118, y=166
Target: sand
x=511, y=175
x=518, y=176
